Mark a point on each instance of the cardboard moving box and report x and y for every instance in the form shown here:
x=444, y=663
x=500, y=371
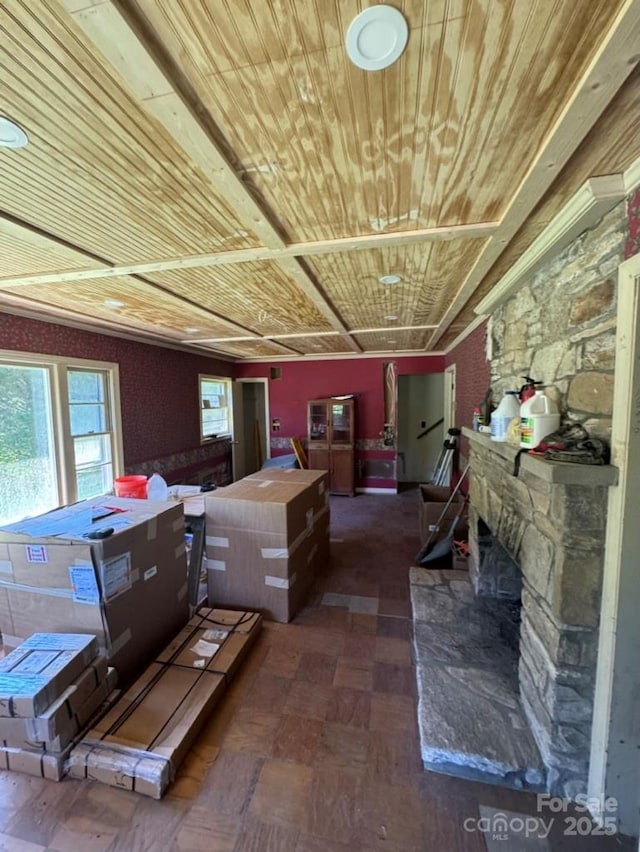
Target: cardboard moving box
x=431, y=502
x=12, y=733
x=129, y=589
x=40, y=669
x=140, y=743
x=267, y=539
x=49, y=764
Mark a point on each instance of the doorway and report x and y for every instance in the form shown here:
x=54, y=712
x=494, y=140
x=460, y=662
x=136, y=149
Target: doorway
x=250, y=444
x=420, y=406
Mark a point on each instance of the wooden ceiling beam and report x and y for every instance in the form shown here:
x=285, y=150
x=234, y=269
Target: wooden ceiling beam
x=612, y=63
x=365, y=242
x=121, y=41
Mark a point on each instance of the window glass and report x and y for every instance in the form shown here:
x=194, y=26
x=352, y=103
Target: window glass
x=54, y=450
x=215, y=407
x=28, y=481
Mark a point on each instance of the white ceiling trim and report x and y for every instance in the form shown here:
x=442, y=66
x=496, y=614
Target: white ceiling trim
x=59, y=318
x=615, y=59
x=632, y=177
x=385, y=329
x=367, y=242
x=117, y=38
x=387, y=355
x=591, y=202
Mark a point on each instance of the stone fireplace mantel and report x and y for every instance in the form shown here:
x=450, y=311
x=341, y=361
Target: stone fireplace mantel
x=551, y=519
x=554, y=472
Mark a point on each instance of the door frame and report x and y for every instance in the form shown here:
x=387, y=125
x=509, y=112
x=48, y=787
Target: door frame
x=449, y=398
x=614, y=766
x=267, y=419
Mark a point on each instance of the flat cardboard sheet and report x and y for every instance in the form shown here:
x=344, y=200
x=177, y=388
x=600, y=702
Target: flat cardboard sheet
x=140, y=743
x=38, y=671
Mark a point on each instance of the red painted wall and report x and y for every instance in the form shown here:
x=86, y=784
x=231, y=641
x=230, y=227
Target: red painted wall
x=158, y=387
x=305, y=379
x=473, y=377
x=633, y=214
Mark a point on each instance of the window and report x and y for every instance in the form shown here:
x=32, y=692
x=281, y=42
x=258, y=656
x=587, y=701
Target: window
x=59, y=432
x=215, y=407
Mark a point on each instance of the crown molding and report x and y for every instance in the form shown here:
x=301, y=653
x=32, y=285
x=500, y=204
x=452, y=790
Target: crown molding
x=632, y=177
x=596, y=197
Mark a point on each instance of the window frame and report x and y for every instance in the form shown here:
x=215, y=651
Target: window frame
x=228, y=383
x=63, y=441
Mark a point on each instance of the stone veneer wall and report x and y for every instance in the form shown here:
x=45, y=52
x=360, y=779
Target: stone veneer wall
x=560, y=327
x=551, y=519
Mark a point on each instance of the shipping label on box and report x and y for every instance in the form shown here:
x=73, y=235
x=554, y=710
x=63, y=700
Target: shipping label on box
x=39, y=670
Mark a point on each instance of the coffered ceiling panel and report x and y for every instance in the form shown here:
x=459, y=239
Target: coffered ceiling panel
x=98, y=172
x=393, y=340
x=260, y=296
x=441, y=137
x=125, y=303
x=429, y=273
x=27, y=253
x=222, y=168
x=249, y=349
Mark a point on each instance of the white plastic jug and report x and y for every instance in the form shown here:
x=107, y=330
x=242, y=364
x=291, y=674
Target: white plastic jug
x=538, y=418
x=157, y=488
x=503, y=415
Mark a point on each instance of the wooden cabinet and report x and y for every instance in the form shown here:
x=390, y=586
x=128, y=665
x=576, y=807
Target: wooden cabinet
x=331, y=436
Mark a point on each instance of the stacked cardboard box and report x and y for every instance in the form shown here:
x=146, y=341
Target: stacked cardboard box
x=140, y=743
x=129, y=589
x=267, y=539
x=51, y=686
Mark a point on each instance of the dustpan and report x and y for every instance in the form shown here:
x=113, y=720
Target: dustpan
x=441, y=548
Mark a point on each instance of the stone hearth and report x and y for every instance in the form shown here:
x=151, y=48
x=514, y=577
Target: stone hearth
x=469, y=714
x=551, y=520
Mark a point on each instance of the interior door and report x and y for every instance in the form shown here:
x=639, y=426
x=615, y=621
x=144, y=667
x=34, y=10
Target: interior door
x=238, y=449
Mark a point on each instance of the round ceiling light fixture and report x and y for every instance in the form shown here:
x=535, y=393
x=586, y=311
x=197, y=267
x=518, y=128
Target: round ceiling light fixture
x=11, y=134
x=391, y=317
x=192, y=329
x=389, y=279
x=114, y=303
x=377, y=37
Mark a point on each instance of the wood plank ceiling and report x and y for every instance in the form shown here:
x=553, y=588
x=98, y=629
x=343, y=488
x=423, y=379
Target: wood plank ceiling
x=217, y=174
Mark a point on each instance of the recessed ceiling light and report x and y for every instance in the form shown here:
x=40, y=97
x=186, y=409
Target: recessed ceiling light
x=11, y=135
x=391, y=317
x=391, y=340
x=389, y=279
x=114, y=303
x=192, y=330
x=377, y=37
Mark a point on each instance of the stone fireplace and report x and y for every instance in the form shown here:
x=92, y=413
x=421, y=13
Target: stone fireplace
x=550, y=521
